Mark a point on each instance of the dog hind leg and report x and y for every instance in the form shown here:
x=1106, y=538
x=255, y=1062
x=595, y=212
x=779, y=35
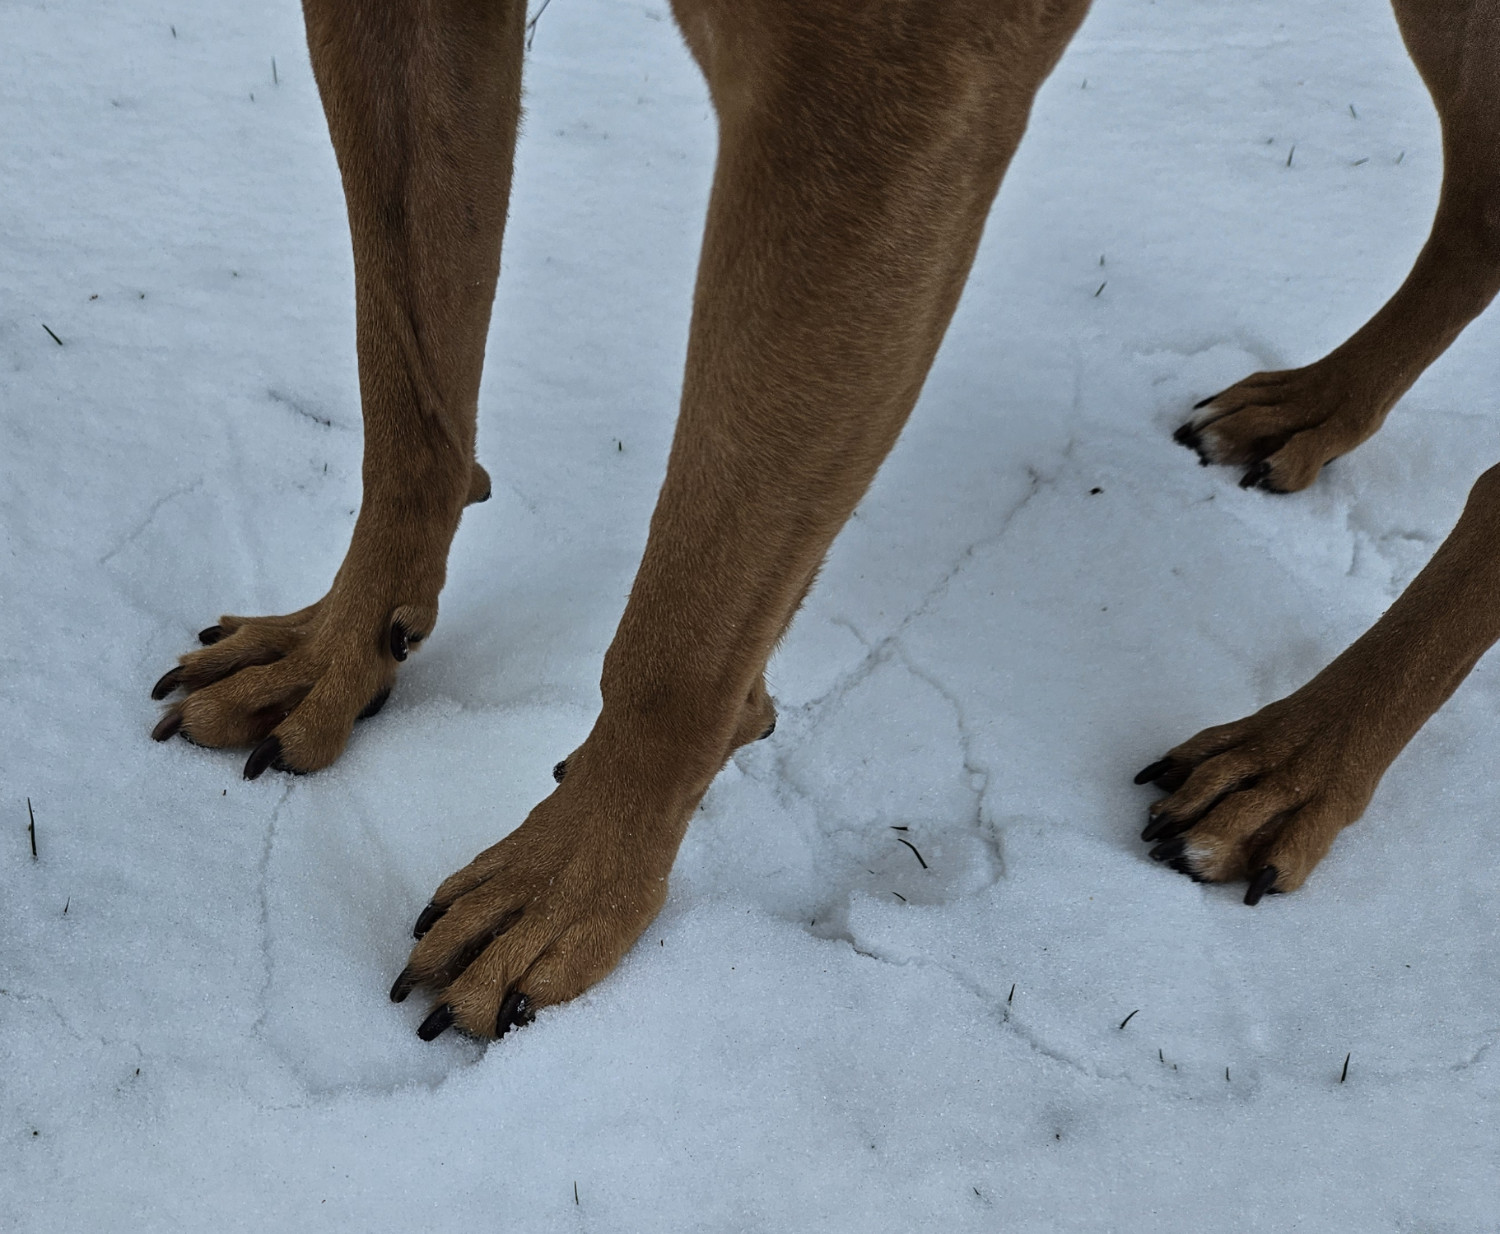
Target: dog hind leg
x=860, y=147
x=1284, y=426
x=422, y=99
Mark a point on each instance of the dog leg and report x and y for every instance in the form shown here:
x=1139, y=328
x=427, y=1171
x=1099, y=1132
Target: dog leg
x=860, y=147
x=1284, y=426
x=422, y=99
x=1262, y=799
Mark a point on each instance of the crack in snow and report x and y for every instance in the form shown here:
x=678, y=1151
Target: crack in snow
x=140, y=529
x=286, y=400
x=875, y=650
x=263, y=874
x=976, y=775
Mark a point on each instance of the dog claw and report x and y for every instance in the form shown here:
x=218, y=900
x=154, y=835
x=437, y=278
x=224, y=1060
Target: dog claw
x=1147, y=774
x=169, y=682
x=515, y=1011
x=1261, y=883
x=436, y=1023
x=559, y=769
x=426, y=919
x=1167, y=828
x=403, y=986
x=268, y=752
x=1187, y=435
x=1204, y=402
x=167, y=725
x=771, y=728
x=400, y=641
x=1167, y=849
x=211, y=635
x=1257, y=475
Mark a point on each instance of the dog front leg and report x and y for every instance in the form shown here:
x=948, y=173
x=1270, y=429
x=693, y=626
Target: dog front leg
x=860, y=148
x=1264, y=798
x=1283, y=427
x=422, y=99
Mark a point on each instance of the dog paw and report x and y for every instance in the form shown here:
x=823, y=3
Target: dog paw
x=1260, y=800
x=539, y=917
x=290, y=686
x=1283, y=427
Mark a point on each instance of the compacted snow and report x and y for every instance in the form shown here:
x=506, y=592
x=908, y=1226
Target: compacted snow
x=1041, y=594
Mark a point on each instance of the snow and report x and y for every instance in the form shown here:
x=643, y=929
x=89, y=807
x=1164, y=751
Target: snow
x=817, y=1034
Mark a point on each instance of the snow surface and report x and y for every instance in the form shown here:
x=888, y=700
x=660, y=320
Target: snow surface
x=1041, y=593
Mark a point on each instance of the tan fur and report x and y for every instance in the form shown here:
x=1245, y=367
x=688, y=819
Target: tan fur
x=1285, y=426
x=861, y=144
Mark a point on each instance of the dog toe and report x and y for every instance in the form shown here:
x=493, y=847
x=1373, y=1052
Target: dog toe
x=1270, y=793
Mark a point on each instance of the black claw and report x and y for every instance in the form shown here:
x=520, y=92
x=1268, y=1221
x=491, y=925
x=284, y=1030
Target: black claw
x=211, y=635
x=1170, y=781
x=770, y=728
x=515, y=1011
x=436, y=1023
x=400, y=641
x=485, y=497
x=1167, y=850
x=372, y=708
x=169, y=682
x=167, y=725
x=559, y=769
x=1164, y=828
x=1154, y=771
x=1157, y=827
x=1202, y=403
x=426, y=919
x=1261, y=884
x=1257, y=475
x=405, y=984
x=268, y=752
x=1188, y=435
x=1181, y=866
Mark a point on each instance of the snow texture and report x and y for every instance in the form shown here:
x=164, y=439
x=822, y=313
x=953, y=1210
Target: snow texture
x=1040, y=594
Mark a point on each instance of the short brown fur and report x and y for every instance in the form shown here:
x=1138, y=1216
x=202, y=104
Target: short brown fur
x=861, y=144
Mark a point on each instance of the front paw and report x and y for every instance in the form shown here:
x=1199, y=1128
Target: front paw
x=537, y=918
x=1262, y=799
x=1285, y=427
x=293, y=686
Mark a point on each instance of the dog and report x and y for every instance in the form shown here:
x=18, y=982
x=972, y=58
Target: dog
x=861, y=145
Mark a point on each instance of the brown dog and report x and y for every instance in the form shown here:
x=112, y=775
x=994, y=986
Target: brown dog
x=861, y=144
